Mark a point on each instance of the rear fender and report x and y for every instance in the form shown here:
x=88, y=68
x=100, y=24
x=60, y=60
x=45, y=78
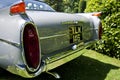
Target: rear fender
x=11, y=51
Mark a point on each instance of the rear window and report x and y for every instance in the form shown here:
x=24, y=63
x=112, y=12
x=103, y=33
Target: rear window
x=37, y=5
x=5, y=3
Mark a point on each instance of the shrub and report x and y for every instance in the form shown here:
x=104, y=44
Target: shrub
x=110, y=43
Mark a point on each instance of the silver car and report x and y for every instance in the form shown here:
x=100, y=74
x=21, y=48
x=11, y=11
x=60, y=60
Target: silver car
x=34, y=38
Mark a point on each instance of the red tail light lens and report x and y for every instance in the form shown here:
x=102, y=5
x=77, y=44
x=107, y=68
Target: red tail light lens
x=100, y=31
x=31, y=46
x=18, y=8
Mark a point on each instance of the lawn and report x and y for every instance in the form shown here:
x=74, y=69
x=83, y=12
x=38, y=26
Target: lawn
x=89, y=66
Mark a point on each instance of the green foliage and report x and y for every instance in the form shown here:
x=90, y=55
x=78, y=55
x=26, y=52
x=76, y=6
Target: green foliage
x=110, y=43
x=74, y=6
x=56, y=4
x=69, y=6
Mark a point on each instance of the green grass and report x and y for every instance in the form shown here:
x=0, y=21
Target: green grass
x=89, y=66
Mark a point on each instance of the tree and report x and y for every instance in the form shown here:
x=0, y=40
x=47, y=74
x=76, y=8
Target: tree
x=56, y=4
x=71, y=6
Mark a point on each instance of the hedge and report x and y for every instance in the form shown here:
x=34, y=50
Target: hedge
x=110, y=43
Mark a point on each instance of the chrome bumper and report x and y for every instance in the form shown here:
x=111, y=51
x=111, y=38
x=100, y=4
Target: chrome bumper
x=21, y=70
x=64, y=57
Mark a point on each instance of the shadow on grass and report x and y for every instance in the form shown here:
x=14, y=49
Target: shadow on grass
x=82, y=68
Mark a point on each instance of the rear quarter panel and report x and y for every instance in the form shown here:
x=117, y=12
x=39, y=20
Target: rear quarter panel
x=10, y=29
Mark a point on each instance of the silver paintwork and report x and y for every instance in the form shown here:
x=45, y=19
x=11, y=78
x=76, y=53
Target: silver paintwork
x=56, y=25
x=94, y=20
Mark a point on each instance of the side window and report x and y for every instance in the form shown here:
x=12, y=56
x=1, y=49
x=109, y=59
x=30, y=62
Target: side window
x=39, y=6
x=34, y=6
x=29, y=6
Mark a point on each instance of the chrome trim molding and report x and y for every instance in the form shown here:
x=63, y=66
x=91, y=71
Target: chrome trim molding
x=11, y=43
x=52, y=36
x=77, y=22
x=22, y=49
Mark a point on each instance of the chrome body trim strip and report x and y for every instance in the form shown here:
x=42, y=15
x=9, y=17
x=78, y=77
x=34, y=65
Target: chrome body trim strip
x=11, y=43
x=41, y=38
x=22, y=48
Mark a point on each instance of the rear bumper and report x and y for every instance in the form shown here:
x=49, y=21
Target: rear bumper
x=62, y=58
x=21, y=70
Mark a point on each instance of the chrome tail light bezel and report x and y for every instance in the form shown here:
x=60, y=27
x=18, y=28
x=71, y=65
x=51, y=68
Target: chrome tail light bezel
x=29, y=69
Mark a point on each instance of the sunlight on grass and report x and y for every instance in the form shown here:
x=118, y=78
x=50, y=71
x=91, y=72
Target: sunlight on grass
x=102, y=58
x=113, y=74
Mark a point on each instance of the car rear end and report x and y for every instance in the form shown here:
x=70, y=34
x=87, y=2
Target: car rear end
x=19, y=40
